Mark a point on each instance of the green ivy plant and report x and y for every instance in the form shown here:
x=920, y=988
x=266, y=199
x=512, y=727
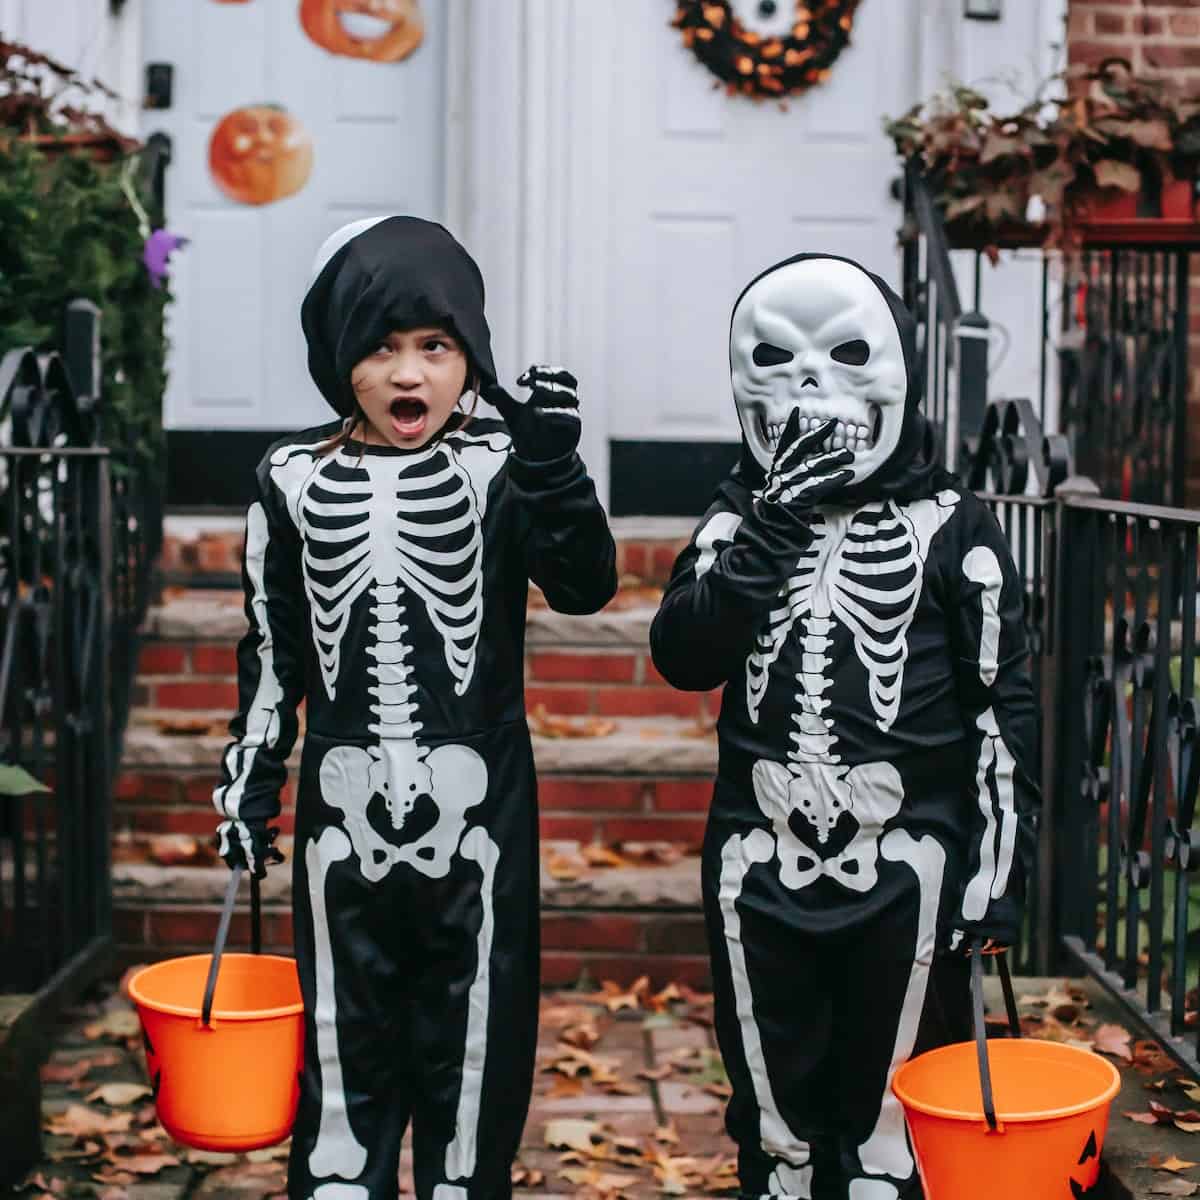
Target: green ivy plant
x=70, y=231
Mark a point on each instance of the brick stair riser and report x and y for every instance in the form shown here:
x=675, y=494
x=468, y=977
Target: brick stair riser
x=220, y=554
x=201, y=677
x=583, y=808
x=620, y=945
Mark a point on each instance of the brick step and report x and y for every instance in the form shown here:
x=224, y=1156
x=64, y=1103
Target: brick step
x=649, y=780
x=612, y=924
x=202, y=548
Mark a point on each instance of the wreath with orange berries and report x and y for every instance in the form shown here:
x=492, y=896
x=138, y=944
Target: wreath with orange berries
x=761, y=67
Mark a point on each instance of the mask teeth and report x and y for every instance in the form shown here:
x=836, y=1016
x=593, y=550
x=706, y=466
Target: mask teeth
x=853, y=436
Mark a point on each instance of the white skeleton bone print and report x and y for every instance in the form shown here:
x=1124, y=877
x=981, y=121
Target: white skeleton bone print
x=865, y=572
x=398, y=530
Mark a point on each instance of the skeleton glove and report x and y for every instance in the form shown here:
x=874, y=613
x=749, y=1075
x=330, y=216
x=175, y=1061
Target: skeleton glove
x=250, y=846
x=800, y=479
x=546, y=426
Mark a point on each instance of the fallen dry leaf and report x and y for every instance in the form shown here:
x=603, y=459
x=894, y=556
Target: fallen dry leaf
x=667, y=1135
x=118, y=1095
x=570, y=1133
x=53, y=1072
x=565, y=866
x=556, y=725
x=53, y=1186
x=595, y=854
x=608, y=1185
x=190, y=726
x=116, y=1025
x=1114, y=1040
x=173, y=849
x=527, y=1177
x=565, y=1087
x=652, y=854
x=655, y=1073
x=1142, y=1118
x=79, y=1121
x=1169, y=1164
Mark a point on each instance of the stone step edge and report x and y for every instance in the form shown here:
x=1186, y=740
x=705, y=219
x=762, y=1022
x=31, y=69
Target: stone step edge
x=213, y=620
x=674, y=888
x=639, y=746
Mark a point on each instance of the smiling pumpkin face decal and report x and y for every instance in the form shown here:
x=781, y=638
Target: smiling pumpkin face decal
x=379, y=30
x=259, y=154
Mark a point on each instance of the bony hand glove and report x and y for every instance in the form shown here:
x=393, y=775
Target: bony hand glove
x=248, y=845
x=546, y=426
x=799, y=477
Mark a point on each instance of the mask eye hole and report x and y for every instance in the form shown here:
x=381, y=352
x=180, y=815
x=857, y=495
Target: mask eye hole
x=766, y=355
x=853, y=354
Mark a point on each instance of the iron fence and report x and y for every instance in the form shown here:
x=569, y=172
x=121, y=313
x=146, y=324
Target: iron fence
x=80, y=525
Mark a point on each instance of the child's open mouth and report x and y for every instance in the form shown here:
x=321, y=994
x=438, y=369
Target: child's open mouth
x=408, y=417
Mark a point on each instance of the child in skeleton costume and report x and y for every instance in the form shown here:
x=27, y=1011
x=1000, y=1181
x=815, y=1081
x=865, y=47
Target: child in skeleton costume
x=388, y=560
x=873, y=808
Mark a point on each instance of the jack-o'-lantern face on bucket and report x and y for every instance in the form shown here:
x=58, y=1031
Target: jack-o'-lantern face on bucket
x=379, y=30
x=260, y=154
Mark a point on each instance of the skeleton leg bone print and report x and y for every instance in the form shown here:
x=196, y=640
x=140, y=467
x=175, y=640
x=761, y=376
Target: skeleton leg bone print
x=864, y=572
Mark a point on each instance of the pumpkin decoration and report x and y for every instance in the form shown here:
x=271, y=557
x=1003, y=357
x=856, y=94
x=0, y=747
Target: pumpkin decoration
x=379, y=30
x=259, y=154
x=766, y=48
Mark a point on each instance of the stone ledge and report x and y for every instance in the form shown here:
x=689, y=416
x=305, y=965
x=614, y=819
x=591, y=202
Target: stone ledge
x=675, y=887
x=217, y=615
x=640, y=746
x=612, y=627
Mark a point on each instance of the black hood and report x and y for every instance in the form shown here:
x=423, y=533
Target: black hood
x=913, y=471
x=398, y=273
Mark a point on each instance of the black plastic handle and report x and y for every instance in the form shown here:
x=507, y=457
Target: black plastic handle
x=1014, y=1022
x=214, y=967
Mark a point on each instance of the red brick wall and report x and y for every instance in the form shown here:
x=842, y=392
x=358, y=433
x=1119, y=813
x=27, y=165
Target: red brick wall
x=1161, y=38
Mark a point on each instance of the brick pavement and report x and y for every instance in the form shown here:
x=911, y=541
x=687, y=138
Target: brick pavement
x=637, y=1091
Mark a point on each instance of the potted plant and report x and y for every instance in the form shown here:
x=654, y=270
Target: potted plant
x=1111, y=146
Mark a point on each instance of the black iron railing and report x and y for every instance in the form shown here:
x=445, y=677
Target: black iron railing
x=79, y=528
x=1123, y=369
x=1110, y=610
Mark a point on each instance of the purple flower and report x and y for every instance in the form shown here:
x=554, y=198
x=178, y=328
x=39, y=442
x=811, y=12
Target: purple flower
x=160, y=245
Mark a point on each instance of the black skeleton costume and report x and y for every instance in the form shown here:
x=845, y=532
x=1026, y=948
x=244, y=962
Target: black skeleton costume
x=873, y=804
x=387, y=588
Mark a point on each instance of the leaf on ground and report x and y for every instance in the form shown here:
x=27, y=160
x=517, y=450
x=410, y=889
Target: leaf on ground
x=116, y=1025
x=582, y=1036
x=277, y=1153
x=1169, y=1164
x=571, y=1133
x=571, y=1061
x=1191, y=1091
x=527, y=1177
x=596, y=854
x=1114, y=1040
x=174, y=850
x=556, y=725
x=190, y=726
x=1149, y=1058
x=565, y=866
x=655, y=1073
x=618, y=1087
x=565, y=1086
x=652, y=854
x=79, y=1121
x=118, y=1095
x=608, y=1185
x=212, y=1158
x=53, y=1186
x=59, y=1072
x=1173, y=1186
x=667, y=1135
x=114, y=1175
x=1142, y=1118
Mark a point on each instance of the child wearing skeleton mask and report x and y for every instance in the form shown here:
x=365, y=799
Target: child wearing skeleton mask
x=388, y=559
x=873, y=817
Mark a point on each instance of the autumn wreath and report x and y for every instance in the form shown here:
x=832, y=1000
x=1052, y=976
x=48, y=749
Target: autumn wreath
x=762, y=65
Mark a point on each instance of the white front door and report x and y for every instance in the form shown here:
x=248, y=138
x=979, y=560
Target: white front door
x=237, y=352
x=713, y=189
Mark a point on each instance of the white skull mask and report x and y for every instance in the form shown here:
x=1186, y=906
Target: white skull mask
x=767, y=18
x=818, y=336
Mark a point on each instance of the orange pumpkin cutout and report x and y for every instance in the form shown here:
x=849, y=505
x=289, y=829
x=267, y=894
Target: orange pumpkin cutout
x=379, y=30
x=260, y=154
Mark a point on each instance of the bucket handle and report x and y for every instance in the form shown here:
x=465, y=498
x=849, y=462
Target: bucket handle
x=1014, y=1022
x=210, y=986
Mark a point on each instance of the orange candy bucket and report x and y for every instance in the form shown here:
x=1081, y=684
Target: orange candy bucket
x=1003, y=1119
x=224, y=1038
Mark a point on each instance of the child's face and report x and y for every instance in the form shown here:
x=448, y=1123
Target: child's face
x=409, y=386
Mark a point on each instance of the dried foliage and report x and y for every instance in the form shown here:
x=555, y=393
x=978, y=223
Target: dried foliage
x=1035, y=174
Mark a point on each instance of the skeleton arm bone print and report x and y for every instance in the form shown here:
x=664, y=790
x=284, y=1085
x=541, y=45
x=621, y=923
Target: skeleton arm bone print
x=725, y=584
x=563, y=533
x=992, y=677
x=270, y=660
